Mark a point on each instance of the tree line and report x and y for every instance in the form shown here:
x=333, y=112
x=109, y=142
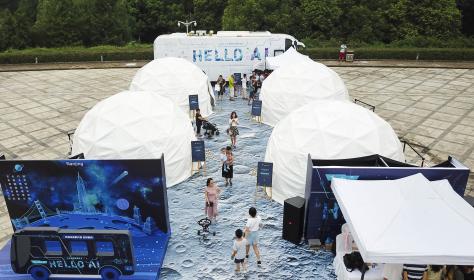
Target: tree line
x=56, y=23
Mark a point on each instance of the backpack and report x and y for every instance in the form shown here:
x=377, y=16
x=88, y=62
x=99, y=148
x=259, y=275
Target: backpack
x=354, y=261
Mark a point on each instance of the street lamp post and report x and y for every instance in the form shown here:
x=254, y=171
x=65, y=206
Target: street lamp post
x=187, y=24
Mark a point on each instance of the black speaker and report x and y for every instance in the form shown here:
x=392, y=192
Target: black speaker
x=293, y=219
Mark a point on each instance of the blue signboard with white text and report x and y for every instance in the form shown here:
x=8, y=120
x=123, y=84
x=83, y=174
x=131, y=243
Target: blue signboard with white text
x=264, y=174
x=238, y=78
x=257, y=108
x=198, y=151
x=193, y=102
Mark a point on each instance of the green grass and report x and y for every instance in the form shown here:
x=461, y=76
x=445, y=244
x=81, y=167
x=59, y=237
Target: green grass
x=457, y=54
x=75, y=54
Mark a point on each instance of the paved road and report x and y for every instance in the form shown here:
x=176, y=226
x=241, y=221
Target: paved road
x=431, y=107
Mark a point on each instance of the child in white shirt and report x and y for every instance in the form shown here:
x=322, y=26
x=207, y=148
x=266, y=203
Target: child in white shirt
x=238, y=251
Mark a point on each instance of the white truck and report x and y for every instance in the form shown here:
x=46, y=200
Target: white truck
x=226, y=52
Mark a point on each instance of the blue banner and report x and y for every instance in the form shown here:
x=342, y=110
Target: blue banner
x=257, y=108
x=264, y=174
x=323, y=215
x=193, y=102
x=198, y=151
x=90, y=194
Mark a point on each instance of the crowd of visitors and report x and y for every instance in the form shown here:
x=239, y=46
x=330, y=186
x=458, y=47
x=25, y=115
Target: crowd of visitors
x=246, y=237
x=427, y=272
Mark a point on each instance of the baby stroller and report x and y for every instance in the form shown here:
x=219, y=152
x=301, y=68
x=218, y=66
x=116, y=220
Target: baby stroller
x=205, y=223
x=210, y=129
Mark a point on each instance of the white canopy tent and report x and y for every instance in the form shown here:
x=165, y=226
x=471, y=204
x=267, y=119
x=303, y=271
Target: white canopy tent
x=291, y=56
x=176, y=79
x=137, y=125
x=409, y=220
x=294, y=85
x=326, y=130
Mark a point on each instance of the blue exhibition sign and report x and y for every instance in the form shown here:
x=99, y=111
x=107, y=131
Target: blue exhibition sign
x=193, y=102
x=264, y=174
x=323, y=216
x=257, y=108
x=77, y=194
x=198, y=151
x=238, y=78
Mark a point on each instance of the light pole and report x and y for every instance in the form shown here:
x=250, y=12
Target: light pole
x=187, y=24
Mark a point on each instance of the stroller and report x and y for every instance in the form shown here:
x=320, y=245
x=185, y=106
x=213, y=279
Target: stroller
x=205, y=223
x=210, y=129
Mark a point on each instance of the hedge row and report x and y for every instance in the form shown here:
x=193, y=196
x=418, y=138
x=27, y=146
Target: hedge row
x=75, y=55
x=396, y=53
x=146, y=53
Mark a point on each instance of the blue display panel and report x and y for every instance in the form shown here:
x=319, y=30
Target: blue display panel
x=198, y=151
x=257, y=108
x=264, y=174
x=323, y=215
x=193, y=102
x=90, y=194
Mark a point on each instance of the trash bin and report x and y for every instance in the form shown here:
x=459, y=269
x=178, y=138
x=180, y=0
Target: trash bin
x=349, y=56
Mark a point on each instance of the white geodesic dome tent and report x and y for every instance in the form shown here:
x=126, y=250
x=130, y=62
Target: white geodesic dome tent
x=176, y=79
x=290, y=56
x=326, y=130
x=294, y=85
x=137, y=125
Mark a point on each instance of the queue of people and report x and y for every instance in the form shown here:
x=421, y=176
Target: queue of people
x=427, y=272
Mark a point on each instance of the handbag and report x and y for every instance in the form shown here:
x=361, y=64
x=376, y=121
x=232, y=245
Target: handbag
x=354, y=261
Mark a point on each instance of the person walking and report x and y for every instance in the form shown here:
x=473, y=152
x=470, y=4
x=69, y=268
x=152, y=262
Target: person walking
x=238, y=251
x=231, y=87
x=233, y=130
x=199, y=120
x=253, y=93
x=342, y=52
x=244, y=86
x=221, y=83
x=211, y=196
x=251, y=233
x=415, y=272
x=228, y=166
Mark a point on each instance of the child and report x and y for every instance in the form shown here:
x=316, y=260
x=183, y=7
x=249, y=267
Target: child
x=223, y=158
x=238, y=251
x=251, y=233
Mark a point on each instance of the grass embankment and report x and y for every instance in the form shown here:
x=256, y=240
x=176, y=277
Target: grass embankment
x=461, y=54
x=145, y=52
x=76, y=54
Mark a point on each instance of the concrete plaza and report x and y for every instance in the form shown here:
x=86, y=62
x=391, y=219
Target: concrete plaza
x=433, y=108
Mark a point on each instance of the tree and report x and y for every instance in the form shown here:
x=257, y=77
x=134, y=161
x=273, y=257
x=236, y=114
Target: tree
x=320, y=17
x=208, y=13
x=25, y=17
x=104, y=22
x=56, y=24
x=437, y=18
x=7, y=31
x=467, y=11
x=155, y=17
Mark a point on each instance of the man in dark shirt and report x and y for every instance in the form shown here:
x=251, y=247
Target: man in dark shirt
x=199, y=120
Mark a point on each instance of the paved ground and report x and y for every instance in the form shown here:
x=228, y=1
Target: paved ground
x=431, y=107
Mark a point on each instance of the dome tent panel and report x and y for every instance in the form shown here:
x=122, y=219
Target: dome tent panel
x=176, y=79
x=115, y=129
x=326, y=130
x=294, y=85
